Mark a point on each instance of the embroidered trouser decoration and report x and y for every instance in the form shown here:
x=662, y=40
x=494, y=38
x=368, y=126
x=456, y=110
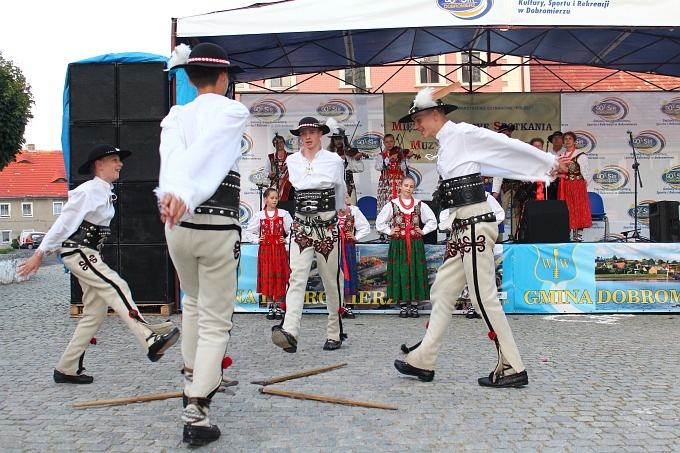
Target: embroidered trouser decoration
x=102, y=288
x=469, y=260
x=324, y=243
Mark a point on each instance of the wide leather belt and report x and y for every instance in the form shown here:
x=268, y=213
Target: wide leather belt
x=314, y=201
x=461, y=223
x=225, y=200
x=315, y=221
x=88, y=235
x=461, y=191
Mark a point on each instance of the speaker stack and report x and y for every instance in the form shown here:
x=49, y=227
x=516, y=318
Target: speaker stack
x=544, y=221
x=122, y=104
x=663, y=221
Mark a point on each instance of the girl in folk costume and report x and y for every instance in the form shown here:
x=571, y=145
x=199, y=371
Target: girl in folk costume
x=353, y=226
x=268, y=228
x=392, y=164
x=406, y=263
x=573, y=187
x=276, y=169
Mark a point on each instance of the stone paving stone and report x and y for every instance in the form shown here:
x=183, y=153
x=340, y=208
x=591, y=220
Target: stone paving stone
x=606, y=387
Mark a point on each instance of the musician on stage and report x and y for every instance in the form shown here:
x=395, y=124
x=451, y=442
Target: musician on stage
x=392, y=164
x=276, y=169
x=351, y=157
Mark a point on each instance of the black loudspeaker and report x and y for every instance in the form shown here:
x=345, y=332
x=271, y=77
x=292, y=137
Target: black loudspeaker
x=288, y=205
x=148, y=271
x=143, y=91
x=544, y=221
x=143, y=139
x=92, y=92
x=84, y=136
x=110, y=256
x=664, y=225
x=139, y=221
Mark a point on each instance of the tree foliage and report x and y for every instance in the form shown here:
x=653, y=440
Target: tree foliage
x=15, y=110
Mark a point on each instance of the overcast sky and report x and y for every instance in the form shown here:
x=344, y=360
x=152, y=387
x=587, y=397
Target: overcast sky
x=42, y=37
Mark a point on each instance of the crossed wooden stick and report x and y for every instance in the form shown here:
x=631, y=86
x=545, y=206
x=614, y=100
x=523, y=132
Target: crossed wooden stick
x=228, y=383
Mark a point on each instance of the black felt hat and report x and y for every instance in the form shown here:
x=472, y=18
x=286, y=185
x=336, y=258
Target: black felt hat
x=97, y=153
x=206, y=54
x=550, y=137
x=506, y=127
x=309, y=121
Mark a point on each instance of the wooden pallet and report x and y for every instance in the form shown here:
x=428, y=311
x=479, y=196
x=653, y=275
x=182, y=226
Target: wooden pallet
x=144, y=309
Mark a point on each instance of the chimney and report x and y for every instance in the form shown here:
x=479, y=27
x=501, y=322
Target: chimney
x=30, y=147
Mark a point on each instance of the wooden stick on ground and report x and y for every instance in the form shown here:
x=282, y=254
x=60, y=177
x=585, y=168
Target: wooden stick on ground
x=298, y=375
x=326, y=399
x=144, y=398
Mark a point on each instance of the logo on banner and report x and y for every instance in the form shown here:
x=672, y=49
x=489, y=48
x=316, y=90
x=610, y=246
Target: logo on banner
x=246, y=146
x=415, y=174
x=245, y=212
x=649, y=142
x=612, y=177
x=672, y=177
x=258, y=178
x=368, y=142
x=672, y=108
x=611, y=109
x=585, y=141
x=466, y=9
x=555, y=264
x=293, y=143
x=340, y=109
x=268, y=110
x=642, y=211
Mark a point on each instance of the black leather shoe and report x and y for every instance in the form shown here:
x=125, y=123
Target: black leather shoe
x=283, y=339
x=200, y=435
x=332, y=345
x=161, y=343
x=405, y=368
x=514, y=380
x=61, y=378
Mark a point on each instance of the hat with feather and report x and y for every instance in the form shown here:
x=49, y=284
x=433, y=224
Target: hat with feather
x=335, y=129
x=428, y=99
x=205, y=54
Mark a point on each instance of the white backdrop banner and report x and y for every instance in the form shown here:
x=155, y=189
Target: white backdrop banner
x=602, y=122
x=272, y=113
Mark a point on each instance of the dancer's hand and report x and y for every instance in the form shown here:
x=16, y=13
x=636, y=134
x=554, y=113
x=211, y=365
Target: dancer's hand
x=31, y=265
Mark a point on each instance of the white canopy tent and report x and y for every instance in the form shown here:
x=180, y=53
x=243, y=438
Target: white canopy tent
x=279, y=38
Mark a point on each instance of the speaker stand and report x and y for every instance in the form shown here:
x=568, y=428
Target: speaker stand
x=636, y=174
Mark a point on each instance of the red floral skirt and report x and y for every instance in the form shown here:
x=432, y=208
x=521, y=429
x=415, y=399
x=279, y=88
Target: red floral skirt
x=575, y=193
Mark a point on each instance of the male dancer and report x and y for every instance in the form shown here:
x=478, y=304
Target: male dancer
x=200, y=149
x=464, y=151
x=319, y=180
x=79, y=234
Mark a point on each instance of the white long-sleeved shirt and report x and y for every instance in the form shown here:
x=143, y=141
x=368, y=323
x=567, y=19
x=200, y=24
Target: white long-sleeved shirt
x=200, y=144
x=361, y=225
x=252, y=233
x=326, y=171
x=382, y=162
x=466, y=149
x=91, y=201
x=382, y=222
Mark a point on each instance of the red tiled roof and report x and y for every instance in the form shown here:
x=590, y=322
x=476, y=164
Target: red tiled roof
x=35, y=174
x=587, y=78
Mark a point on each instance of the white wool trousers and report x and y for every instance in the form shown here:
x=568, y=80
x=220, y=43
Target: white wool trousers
x=305, y=245
x=470, y=261
x=206, y=253
x=102, y=288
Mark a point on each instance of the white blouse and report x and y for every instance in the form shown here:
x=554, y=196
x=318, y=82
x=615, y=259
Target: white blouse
x=361, y=225
x=252, y=231
x=382, y=223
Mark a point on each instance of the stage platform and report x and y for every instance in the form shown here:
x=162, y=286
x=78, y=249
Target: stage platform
x=598, y=277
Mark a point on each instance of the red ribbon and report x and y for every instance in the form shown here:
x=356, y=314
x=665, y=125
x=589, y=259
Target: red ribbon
x=408, y=228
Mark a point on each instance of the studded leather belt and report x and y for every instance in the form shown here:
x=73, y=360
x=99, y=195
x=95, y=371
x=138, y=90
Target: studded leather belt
x=225, y=200
x=88, y=235
x=461, y=191
x=314, y=201
x=462, y=223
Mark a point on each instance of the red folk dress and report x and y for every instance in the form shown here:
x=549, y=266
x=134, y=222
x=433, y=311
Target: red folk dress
x=573, y=189
x=273, y=270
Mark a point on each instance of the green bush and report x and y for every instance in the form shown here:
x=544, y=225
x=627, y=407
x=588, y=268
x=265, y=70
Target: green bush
x=15, y=243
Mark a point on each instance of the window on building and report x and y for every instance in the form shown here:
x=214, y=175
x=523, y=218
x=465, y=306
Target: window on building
x=5, y=236
x=429, y=69
x=347, y=78
x=27, y=209
x=5, y=210
x=56, y=207
x=469, y=73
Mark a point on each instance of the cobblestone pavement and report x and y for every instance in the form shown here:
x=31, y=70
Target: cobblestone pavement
x=608, y=383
